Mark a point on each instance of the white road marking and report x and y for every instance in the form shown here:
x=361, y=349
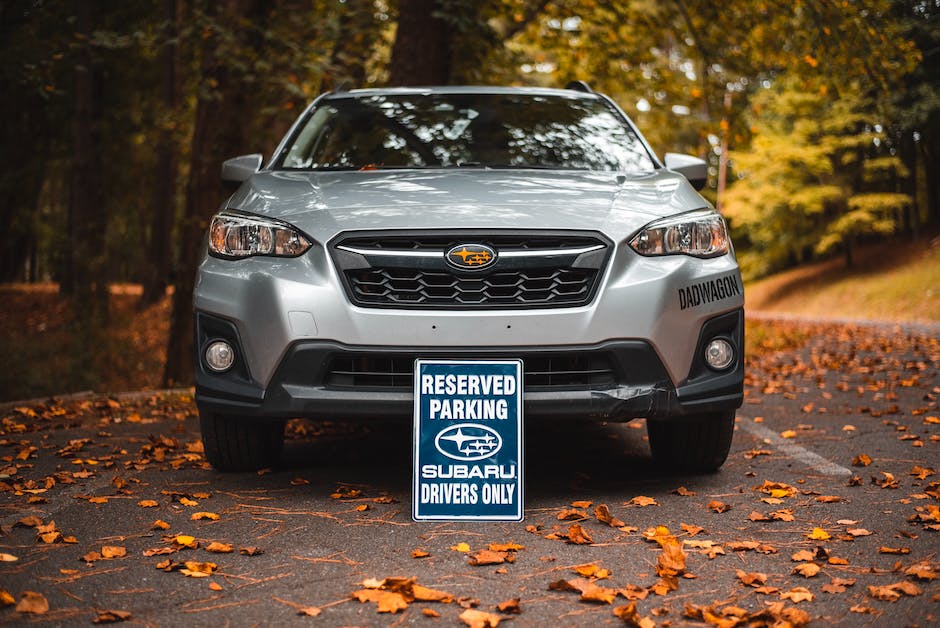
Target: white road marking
x=801, y=454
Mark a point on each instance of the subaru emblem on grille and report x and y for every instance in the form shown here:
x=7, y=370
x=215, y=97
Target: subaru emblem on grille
x=471, y=256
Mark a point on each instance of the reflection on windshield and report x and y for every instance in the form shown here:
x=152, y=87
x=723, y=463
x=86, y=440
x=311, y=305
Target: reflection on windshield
x=466, y=130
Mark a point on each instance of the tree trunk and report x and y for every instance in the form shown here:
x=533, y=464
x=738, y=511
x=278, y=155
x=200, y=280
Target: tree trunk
x=423, y=45
x=354, y=43
x=219, y=132
x=164, y=192
x=88, y=283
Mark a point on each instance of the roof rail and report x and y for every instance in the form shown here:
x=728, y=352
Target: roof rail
x=579, y=86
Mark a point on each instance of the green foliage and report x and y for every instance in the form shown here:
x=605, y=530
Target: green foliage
x=817, y=176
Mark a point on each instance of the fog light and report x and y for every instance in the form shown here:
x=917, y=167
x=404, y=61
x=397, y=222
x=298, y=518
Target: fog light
x=719, y=354
x=220, y=356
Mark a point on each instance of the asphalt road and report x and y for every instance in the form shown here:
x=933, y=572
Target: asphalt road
x=84, y=476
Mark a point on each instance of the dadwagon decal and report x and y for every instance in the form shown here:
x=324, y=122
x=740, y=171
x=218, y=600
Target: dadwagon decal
x=709, y=291
x=468, y=440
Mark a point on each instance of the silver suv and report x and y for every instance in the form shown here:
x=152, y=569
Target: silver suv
x=468, y=222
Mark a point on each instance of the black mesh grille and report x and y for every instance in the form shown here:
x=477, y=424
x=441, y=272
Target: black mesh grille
x=374, y=276
x=583, y=370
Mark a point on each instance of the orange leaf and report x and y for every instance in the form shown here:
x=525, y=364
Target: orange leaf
x=34, y=603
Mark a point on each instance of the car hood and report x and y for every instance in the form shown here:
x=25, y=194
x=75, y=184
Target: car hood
x=323, y=204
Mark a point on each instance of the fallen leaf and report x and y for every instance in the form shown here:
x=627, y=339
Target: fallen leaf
x=797, y=595
x=486, y=557
x=838, y=585
x=386, y=601
x=807, y=570
x=159, y=524
x=602, y=512
x=581, y=504
x=195, y=569
x=630, y=616
x=777, y=489
x=185, y=540
x=572, y=514
x=756, y=516
x=858, y=532
x=6, y=599
x=642, y=501
x=718, y=506
x=215, y=586
x=578, y=535
x=754, y=579
x=505, y=547
x=32, y=602
x=894, y=550
x=861, y=460
x=111, y=617
x=251, y=551
x=420, y=553
x=147, y=503
x=788, y=434
x=828, y=499
x=684, y=492
x=510, y=606
x=634, y=592
x=592, y=570
x=461, y=547
x=430, y=612
x=112, y=551
x=818, y=534
x=590, y=592
x=219, y=548
x=8, y=558
x=199, y=516
x=479, y=619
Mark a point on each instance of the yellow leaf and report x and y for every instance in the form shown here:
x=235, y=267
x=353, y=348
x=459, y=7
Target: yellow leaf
x=197, y=516
x=788, y=434
x=185, y=540
x=188, y=502
x=159, y=524
x=215, y=586
x=818, y=534
x=147, y=503
x=8, y=558
x=461, y=547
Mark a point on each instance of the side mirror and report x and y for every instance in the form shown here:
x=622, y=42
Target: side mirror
x=692, y=168
x=236, y=171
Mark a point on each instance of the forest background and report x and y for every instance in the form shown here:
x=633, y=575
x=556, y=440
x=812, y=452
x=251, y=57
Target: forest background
x=820, y=120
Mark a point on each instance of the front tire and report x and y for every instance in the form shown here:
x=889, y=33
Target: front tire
x=696, y=443
x=240, y=443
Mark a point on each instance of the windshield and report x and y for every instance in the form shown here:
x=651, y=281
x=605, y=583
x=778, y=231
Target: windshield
x=466, y=130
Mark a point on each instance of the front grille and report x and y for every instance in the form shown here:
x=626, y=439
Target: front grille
x=532, y=269
x=537, y=286
x=576, y=371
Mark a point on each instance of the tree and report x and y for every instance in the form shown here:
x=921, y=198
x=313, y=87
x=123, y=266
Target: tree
x=816, y=177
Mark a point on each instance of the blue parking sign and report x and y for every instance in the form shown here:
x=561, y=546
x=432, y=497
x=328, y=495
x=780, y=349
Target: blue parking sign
x=468, y=440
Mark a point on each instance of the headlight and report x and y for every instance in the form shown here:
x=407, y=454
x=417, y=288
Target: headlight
x=235, y=235
x=701, y=233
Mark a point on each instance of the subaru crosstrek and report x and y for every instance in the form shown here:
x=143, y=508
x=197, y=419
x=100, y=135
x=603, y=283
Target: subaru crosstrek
x=460, y=223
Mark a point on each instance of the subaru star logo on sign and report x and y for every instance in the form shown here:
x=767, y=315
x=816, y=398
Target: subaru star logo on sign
x=468, y=440
x=471, y=256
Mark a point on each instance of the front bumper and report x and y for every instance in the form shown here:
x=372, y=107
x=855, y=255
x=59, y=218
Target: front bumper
x=615, y=380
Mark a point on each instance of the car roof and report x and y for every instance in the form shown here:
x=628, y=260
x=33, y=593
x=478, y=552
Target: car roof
x=462, y=89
